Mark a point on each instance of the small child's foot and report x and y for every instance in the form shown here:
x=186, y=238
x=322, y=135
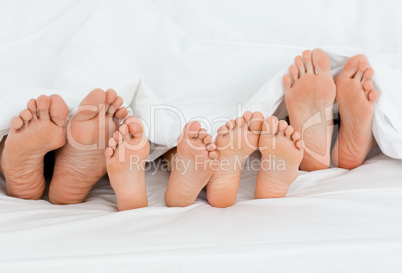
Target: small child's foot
x=356, y=100
x=282, y=152
x=191, y=167
x=125, y=163
x=80, y=163
x=309, y=101
x=235, y=142
x=38, y=130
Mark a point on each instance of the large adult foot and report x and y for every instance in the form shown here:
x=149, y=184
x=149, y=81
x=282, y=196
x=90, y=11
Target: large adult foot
x=356, y=99
x=36, y=131
x=191, y=167
x=81, y=163
x=235, y=142
x=309, y=100
x=125, y=163
x=282, y=152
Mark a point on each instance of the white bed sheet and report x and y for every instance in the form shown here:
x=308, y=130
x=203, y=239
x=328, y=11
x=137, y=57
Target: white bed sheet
x=332, y=221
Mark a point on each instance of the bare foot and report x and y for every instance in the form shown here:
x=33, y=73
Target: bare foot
x=282, y=152
x=191, y=167
x=309, y=101
x=38, y=130
x=235, y=142
x=125, y=163
x=81, y=163
x=356, y=99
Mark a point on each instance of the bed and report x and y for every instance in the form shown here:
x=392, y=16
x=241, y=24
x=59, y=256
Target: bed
x=333, y=220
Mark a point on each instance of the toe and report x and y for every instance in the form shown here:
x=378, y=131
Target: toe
x=202, y=134
x=91, y=105
x=256, y=121
x=287, y=82
x=363, y=66
x=320, y=61
x=352, y=65
x=223, y=130
x=270, y=125
x=300, y=65
x=211, y=147
x=118, y=102
x=373, y=96
x=308, y=62
x=282, y=126
x=109, y=152
x=118, y=137
x=368, y=87
x=247, y=116
x=134, y=126
x=33, y=108
x=231, y=124
x=111, y=96
x=213, y=155
x=298, y=144
x=121, y=113
x=368, y=74
x=296, y=136
x=240, y=121
x=191, y=129
x=58, y=110
x=26, y=115
x=16, y=123
x=43, y=107
x=207, y=139
x=293, y=72
x=112, y=143
x=289, y=131
x=123, y=129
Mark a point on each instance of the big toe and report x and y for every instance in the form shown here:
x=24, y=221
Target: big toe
x=58, y=110
x=320, y=61
x=255, y=124
x=191, y=129
x=353, y=64
x=43, y=102
x=91, y=105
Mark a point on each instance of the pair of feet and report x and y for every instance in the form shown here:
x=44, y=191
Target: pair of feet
x=198, y=162
x=310, y=93
x=87, y=146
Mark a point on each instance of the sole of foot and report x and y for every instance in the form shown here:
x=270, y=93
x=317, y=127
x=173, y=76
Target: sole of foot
x=80, y=163
x=38, y=130
x=191, y=167
x=125, y=164
x=282, y=152
x=356, y=100
x=309, y=96
x=235, y=141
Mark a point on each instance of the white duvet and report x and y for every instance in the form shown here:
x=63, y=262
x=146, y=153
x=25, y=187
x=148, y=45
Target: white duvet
x=173, y=61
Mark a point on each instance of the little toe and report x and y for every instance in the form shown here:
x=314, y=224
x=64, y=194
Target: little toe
x=298, y=144
x=287, y=82
x=294, y=72
x=320, y=61
x=300, y=65
x=33, y=108
x=58, y=110
x=16, y=123
x=308, y=61
x=43, y=102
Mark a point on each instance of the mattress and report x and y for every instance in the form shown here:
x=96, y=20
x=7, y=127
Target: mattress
x=331, y=221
